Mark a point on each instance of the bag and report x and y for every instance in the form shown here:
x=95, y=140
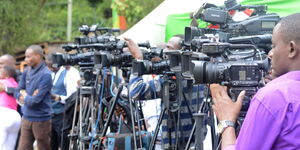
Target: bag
x=125, y=141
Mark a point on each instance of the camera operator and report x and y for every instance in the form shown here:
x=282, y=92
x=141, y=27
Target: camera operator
x=272, y=121
x=142, y=89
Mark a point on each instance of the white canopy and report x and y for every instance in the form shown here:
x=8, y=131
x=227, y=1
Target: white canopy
x=152, y=27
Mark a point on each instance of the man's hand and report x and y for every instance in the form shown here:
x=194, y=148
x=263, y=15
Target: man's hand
x=133, y=48
x=35, y=92
x=23, y=93
x=223, y=106
x=21, y=100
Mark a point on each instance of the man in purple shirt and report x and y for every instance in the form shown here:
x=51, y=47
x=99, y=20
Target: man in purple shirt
x=273, y=119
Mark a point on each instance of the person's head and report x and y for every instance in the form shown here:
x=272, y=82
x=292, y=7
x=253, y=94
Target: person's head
x=49, y=62
x=7, y=72
x=7, y=60
x=34, y=55
x=174, y=42
x=285, y=53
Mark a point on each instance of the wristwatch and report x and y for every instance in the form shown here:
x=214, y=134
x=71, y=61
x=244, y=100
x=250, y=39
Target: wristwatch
x=223, y=125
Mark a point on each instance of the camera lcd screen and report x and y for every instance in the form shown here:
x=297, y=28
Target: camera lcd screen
x=267, y=25
x=242, y=75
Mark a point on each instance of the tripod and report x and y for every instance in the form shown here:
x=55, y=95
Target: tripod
x=199, y=128
x=172, y=98
x=133, y=115
x=84, y=120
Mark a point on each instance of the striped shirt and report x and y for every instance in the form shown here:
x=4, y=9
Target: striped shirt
x=142, y=89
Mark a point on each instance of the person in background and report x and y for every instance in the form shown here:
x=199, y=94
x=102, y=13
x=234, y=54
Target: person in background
x=9, y=60
x=34, y=93
x=64, y=80
x=10, y=119
x=146, y=89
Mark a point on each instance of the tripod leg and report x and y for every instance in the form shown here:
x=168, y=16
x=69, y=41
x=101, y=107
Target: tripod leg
x=80, y=120
x=110, y=114
x=152, y=144
x=73, y=124
x=200, y=130
x=188, y=144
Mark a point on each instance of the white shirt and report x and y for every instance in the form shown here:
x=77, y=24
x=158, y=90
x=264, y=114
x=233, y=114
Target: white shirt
x=70, y=81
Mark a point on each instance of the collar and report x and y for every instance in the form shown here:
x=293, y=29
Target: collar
x=292, y=75
x=37, y=68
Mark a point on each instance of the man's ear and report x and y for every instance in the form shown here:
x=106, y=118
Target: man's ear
x=293, y=49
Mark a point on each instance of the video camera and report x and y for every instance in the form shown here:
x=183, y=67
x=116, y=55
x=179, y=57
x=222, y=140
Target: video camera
x=259, y=23
x=141, y=67
x=232, y=65
x=102, y=50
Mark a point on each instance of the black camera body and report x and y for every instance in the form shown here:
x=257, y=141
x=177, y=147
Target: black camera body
x=215, y=16
x=81, y=59
x=240, y=73
x=256, y=25
x=106, y=59
x=141, y=67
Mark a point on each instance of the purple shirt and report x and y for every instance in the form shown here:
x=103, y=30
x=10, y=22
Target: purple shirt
x=273, y=119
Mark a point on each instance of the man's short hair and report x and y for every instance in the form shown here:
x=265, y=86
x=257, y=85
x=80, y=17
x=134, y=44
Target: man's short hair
x=7, y=57
x=290, y=27
x=181, y=36
x=37, y=50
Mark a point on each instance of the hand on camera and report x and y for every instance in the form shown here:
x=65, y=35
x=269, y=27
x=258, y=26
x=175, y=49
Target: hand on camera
x=133, y=48
x=223, y=106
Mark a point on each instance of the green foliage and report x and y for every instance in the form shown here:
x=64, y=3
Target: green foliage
x=135, y=10
x=24, y=22
x=18, y=23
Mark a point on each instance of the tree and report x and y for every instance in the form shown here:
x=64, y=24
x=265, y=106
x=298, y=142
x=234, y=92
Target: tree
x=19, y=26
x=135, y=10
x=24, y=22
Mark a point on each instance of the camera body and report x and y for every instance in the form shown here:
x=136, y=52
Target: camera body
x=242, y=73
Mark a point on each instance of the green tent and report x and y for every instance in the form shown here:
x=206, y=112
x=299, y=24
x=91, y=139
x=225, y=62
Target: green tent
x=177, y=22
x=281, y=7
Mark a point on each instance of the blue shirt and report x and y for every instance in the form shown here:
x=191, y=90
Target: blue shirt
x=273, y=119
x=58, y=88
x=36, y=108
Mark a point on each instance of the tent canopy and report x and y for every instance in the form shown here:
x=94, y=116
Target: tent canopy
x=171, y=16
x=153, y=26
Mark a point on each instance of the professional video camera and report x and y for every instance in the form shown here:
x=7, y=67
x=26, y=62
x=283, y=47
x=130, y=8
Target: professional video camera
x=98, y=47
x=233, y=65
x=80, y=59
x=149, y=65
x=124, y=59
x=141, y=67
x=258, y=23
